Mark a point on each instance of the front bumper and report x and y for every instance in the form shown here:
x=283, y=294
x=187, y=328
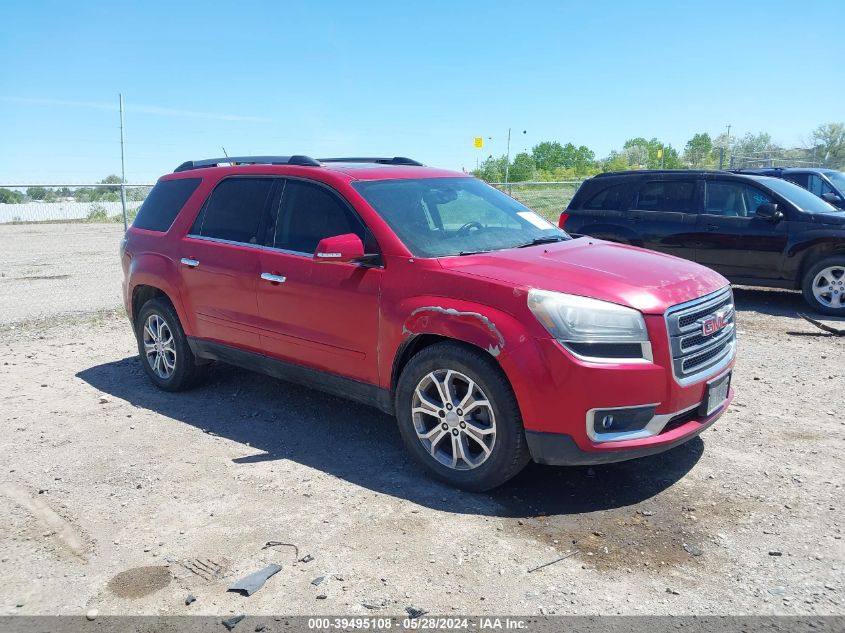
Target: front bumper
x=561, y=449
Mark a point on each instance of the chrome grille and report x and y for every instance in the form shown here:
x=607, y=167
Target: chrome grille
x=695, y=353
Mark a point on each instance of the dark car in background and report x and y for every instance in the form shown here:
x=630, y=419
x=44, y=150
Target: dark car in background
x=827, y=184
x=754, y=230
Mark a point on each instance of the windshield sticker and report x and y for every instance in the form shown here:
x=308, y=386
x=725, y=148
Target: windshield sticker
x=536, y=220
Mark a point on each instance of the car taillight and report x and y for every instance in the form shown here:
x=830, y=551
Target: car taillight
x=563, y=218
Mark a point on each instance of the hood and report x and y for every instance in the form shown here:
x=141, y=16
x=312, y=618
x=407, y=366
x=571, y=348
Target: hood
x=635, y=277
x=834, y=217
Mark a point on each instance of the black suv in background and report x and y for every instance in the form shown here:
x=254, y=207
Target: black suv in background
x=755, y=230
x=827, y=184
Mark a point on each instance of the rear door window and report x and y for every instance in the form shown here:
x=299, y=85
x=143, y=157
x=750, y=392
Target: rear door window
x=311, y=212
x=800, y=179
x=237, y=210
x=164, y=203
x=676, y=196
x=612, y=198
x=733, y=199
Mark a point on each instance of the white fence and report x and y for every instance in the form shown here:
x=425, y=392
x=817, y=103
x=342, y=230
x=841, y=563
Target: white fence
x=95, y=202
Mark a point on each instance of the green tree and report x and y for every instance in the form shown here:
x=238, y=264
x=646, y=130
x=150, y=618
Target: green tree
x=644, y=154
x=491, y=169
x=522, y=168
x=41, y=194
x=548, y=155
x=699, y=150
x=829, y=143
x=753, y=149
x=7, y=196
x=584, y=161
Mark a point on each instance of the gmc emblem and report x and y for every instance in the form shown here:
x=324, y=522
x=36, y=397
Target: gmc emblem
x=713, y=324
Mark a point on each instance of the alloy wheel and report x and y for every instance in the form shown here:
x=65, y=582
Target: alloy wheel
x=829, y=287
x=159, y=346
x=453, y=419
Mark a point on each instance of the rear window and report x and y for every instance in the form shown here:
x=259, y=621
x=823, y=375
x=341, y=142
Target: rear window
x=666, y=195
x=164, y=203
x=610, y=199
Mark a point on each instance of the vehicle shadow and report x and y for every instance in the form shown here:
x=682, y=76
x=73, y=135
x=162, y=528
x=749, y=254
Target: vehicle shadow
x=275, y=420
x=789, y=304
x=773, y=301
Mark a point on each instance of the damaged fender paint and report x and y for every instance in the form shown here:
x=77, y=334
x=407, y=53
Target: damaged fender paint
x=494, y=348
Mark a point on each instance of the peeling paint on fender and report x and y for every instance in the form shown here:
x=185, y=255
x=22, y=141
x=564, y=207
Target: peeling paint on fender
x=494, y=350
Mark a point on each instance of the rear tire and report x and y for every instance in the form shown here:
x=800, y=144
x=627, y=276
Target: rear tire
x=824, y=286
x=475, y=449
x=163, y=347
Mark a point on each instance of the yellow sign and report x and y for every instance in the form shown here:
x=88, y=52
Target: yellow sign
x=479, y=142
x=660, y=152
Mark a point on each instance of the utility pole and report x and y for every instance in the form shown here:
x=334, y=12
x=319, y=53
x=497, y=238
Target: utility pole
x=724, y=150
x=122, y=166
x=508, y=158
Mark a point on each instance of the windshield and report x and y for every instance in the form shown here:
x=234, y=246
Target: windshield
x=440, y=217
x=837, y=178
x=800, y=197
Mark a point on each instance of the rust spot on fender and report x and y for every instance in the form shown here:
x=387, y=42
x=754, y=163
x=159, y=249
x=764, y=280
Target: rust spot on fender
x=493, y=350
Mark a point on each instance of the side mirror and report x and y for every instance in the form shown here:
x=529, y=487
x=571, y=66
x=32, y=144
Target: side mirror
x=831, y=197
x=769, y=211
x=339, y=248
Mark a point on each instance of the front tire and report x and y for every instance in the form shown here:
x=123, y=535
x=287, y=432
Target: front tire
x=824, y=286
x=163, y=347
x=459, y=418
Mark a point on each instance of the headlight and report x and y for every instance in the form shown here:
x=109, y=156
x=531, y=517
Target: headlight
x=591, y=328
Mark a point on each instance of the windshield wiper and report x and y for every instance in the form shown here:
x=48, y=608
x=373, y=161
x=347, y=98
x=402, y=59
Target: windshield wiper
x=472, y=252
x=548, y=239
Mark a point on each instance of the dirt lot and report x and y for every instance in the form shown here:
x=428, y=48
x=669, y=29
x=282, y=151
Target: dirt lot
x=118, y=497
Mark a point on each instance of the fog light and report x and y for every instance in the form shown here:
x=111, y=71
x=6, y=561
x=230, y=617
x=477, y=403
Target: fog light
x=621, y=420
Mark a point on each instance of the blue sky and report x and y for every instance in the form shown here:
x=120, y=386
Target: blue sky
x=419, y=79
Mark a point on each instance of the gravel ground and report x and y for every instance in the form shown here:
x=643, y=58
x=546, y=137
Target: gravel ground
x=118, y=497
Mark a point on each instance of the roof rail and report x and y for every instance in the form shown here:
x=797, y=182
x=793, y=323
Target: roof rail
x=305, y=161
x=657, y=171
x=396, y=160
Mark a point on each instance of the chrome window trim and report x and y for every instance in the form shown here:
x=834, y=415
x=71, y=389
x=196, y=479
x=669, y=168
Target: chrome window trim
x=259, y=247
x=273, y=249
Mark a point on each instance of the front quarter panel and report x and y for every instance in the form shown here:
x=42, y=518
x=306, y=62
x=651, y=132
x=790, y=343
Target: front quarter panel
x=468, y=319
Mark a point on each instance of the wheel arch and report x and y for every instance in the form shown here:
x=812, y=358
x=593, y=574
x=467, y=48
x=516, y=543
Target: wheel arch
x=816, y=252
x=142, y=293
x=416, y=343
x=150, y=275
x=505, y=340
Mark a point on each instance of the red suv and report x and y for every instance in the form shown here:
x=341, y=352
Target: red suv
x=491, y=335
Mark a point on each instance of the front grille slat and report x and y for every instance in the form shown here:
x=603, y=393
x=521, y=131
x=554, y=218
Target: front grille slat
x=694, y=352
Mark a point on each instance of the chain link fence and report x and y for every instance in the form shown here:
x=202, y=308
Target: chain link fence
x=548, y=199
x=59, y=248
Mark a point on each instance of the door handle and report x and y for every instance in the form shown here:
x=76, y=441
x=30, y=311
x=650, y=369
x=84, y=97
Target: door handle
x=636, y=218
x=273, y=279
x=190, y=263
x=712, y=227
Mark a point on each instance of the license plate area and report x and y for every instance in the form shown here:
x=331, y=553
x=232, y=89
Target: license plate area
x=716, y=394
